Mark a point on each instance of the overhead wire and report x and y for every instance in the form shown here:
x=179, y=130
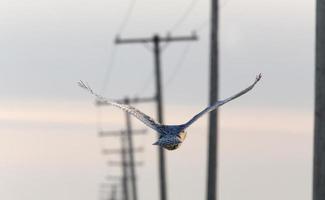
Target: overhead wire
x=146, y=83
x=184, y=16
x=110, y=68
x=127, y=16
x=179, y=65
x=111, y=65
x=180, y=62
x=185, y=51
x=202, y=26
x=121, y=28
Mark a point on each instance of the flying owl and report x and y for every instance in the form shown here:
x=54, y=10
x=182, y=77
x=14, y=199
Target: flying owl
x=170, y=136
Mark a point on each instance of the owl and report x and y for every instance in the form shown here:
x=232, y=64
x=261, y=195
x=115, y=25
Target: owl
x=170, y=136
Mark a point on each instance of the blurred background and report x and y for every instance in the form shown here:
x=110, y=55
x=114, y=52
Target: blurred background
x=50, y=146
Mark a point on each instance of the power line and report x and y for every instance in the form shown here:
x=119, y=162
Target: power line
x=179, y=65
x=182, y=19
x=126, y=17
x=127, y=143
x=113, y=48
x=145, y=85
x=110, y=67
x=202, y=26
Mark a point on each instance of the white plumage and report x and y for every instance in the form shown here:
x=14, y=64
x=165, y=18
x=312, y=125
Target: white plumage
x=171, y=136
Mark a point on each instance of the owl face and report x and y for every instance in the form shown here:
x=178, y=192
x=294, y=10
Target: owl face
x=182, y=135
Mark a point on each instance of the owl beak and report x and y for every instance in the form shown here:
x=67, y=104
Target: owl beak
x=156, y=143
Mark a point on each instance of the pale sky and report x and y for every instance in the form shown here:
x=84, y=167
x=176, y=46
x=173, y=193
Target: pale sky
x=49, y=147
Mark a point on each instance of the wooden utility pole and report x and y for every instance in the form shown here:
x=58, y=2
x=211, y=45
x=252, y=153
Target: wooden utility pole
x=159, y=95
x=126, y=151
x=156, y=41
x=213, y=117
x=127, y=140
x=130, y=145
x=319, y=129
x=113, y=192
x=124, y=159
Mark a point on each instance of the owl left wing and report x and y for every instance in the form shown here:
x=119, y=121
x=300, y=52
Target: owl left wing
x=220, y=103
x=127, y=108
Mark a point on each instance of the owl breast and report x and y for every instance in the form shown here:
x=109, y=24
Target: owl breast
x=172, y=146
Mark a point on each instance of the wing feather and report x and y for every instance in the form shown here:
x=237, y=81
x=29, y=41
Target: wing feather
x=127, y=108
x=220, y=103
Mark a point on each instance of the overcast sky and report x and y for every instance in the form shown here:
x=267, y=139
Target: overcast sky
x=49, y=147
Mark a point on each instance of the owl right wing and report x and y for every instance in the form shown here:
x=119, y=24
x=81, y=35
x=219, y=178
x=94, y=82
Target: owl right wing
x=220, y=103
x=127, y=108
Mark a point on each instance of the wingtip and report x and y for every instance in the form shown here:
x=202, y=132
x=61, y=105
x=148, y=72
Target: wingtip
x=85, y=86
x=81, y=84
x=258, y=77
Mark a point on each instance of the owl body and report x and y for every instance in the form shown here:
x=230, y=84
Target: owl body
x=171, y=141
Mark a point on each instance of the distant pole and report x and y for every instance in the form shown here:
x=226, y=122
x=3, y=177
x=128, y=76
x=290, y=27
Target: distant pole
x=213, y=117
x=131, y=154
x=125, y=175
x=156, y=40
x=113, y=192
x=319, y=126
x=127, y=150
x=162, y=170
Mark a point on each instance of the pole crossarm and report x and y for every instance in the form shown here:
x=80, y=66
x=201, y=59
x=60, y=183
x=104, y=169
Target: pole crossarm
x=121, y=132
x=118, y=151
x=117, y=178
x=134, y=100
x=107, y=185
x=119, y=163
x=167, y=38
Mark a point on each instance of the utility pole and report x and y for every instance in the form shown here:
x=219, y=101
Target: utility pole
x=113, y=192
x=124, y=159
x=213, y=116
x=156, y=40
x=319, y=126
x=129, y=138
x=130, y=145
x=127, y=159
x=124, y=167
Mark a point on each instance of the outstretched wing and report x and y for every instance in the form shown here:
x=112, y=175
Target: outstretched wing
x=220, y=103
x=127, y=108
